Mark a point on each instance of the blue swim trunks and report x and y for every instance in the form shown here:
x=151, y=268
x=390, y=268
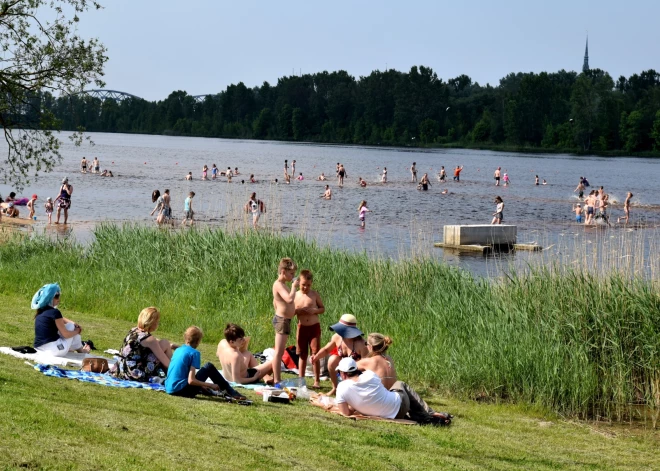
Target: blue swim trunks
x=578, y=218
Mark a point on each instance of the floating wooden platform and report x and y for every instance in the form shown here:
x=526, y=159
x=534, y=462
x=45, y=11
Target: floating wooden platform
x=528, y=247
x=487, y=249
x=484, y=249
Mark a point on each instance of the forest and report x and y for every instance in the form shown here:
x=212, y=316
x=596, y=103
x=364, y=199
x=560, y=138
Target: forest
x=563, y=111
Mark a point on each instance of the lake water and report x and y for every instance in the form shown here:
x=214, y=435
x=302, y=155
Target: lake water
x=403, y=220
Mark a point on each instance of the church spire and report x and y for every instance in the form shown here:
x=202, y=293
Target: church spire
x=585, y=66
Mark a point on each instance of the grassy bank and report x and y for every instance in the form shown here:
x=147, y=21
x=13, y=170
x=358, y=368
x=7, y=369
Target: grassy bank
x=581, y=345
x=50, y=423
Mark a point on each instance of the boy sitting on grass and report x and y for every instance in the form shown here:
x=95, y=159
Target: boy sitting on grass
x=181, y=378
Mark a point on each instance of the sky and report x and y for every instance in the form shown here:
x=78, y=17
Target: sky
x=201, y=46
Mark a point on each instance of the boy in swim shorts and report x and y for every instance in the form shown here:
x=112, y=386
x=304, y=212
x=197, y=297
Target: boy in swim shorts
x=308, y=306
x=578, y=212
x=283, y=302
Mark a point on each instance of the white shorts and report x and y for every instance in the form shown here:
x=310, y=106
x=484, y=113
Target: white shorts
x=61, y=346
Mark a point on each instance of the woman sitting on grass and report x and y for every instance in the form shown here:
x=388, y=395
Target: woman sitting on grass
x=144, y=357
x=54, y=333
x=346, y=342
x=377, y=361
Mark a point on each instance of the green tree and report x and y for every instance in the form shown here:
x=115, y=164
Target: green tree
x=41, y=52
x=262, y=123
x=655, y=132
x=428, y=130
x=284, y=122
x=297, y=125
x=632, y=131
x=481, y=131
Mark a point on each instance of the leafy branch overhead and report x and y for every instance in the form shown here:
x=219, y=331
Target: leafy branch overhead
x=41, y=52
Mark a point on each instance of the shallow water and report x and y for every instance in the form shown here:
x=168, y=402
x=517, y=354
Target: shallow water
x=403, y=221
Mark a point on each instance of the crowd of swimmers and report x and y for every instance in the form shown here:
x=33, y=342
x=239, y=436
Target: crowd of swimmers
x=369, y=382
x=594, y=206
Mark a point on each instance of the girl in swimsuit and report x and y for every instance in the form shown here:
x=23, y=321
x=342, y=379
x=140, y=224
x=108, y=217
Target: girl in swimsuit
x=498, y=215
x=214, y=172
x=384, y=177
x=205, y=171
x=626, y=208
x=363, y=210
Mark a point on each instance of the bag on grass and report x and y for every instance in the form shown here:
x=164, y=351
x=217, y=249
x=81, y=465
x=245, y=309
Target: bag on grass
x=95, y=365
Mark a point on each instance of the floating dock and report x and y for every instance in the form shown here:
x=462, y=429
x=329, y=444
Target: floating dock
x=483, y=238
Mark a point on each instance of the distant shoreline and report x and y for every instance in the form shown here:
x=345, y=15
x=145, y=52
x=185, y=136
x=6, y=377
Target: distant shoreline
x=518, y=149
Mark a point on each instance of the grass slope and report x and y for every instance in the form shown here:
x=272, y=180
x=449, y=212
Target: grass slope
x=579, y=344
x=50, y=423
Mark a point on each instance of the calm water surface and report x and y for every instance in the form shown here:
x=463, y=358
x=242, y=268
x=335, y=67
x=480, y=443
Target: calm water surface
x=404, y=221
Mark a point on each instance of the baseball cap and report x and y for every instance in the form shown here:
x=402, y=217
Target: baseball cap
x=347, y=365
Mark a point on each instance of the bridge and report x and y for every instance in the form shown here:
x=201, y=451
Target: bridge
x=119, y=96
x=107, y=94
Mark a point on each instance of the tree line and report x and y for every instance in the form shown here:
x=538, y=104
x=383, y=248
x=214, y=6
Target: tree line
x=586, y=112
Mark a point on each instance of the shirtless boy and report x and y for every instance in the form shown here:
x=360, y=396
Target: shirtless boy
x=238, y=364
x=283, y=302
x=327, y=194
x=308, y=306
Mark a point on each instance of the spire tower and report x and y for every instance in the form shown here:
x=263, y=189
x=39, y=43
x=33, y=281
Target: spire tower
x=585, y=65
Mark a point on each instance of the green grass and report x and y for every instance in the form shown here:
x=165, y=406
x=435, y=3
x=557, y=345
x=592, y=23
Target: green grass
x=584, y=346
x=50, y=423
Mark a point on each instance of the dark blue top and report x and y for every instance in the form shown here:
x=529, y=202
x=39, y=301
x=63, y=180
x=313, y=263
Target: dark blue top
x=45, y=329
x=177, y=373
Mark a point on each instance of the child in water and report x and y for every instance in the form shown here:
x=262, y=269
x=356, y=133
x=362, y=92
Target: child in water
x=188, y=212
x=30, y=206
x=362, y=211
x=577, y=209
x=536, y=180
x=205, y=172
x=48, y=205
x=505, y=178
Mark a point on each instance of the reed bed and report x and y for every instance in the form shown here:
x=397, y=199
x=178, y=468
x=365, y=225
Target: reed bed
x=584, y=344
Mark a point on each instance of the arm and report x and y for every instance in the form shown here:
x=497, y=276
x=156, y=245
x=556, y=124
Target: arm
x=320, y=309
x=325, y=351
x=152, y=344
x=60, y=323
x=345, y=409
x=287, y=296
x=195, y=382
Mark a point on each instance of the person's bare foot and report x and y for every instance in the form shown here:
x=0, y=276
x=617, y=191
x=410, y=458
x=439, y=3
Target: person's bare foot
x=268, y=379
x=316, y=385
x=332, y=392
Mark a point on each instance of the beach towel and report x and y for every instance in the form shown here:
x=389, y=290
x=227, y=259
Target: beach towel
x=70, y=359
x=315, y=400
x=97, y=378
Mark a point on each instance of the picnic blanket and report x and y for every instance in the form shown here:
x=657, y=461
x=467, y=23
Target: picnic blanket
x=70, y=359
x=315, y=400
x=103, y=379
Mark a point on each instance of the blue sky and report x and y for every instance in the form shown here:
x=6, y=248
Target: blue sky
x=201, y=46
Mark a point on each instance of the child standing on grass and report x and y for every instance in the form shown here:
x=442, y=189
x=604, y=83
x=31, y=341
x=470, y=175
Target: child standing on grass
x=181, y=377
x=362, y=211
x=188, y=212
x=283, y=302
x=48, y=205
x=30, y=206
x=308, y=306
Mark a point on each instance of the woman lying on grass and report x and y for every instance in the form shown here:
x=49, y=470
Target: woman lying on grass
x=383, y=367
x=144, y=357
x=182, y=378
x=54, y=333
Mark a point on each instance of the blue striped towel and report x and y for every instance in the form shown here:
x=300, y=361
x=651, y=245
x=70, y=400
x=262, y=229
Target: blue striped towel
x=98, y=378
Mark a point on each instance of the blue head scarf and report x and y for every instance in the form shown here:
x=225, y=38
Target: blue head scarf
x=44, y=297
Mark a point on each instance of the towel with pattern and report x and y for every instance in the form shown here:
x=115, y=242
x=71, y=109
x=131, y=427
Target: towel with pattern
x=98, y=378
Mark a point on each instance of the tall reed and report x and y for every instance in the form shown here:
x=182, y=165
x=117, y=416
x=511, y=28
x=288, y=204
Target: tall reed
x=583, y=344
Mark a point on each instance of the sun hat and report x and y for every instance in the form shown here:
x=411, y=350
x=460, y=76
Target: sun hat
x=49, y=199
x=347, y=365
x=346, y=327
x=65, y=180
x=44, y=297
x=10, y=204
x=34, y=197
